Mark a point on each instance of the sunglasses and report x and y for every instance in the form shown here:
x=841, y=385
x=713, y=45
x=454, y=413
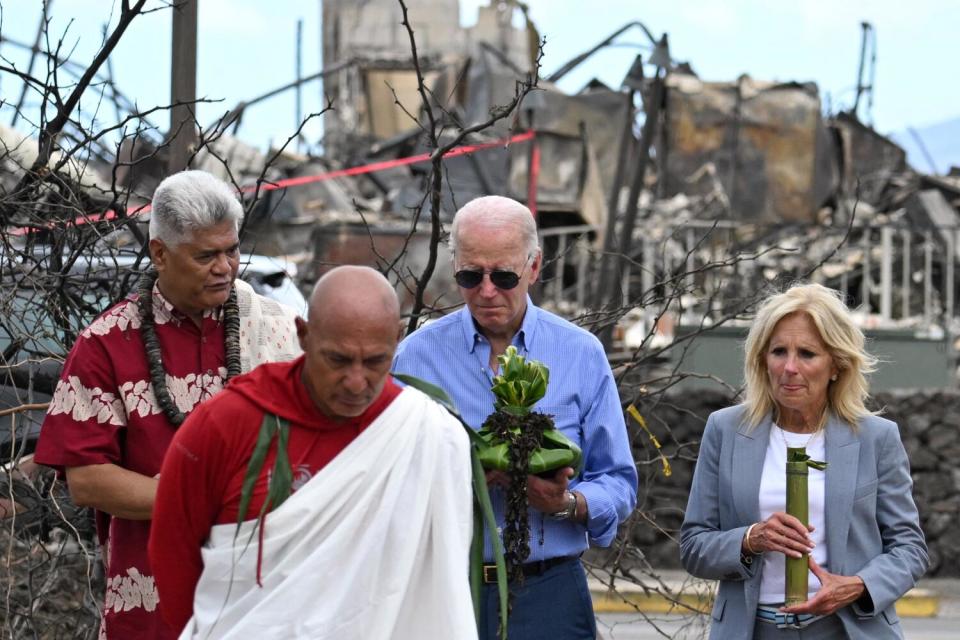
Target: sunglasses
x=503, y=280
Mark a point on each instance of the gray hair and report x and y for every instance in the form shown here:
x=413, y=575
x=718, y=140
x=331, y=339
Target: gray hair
x=498, y=211
x=188, y=201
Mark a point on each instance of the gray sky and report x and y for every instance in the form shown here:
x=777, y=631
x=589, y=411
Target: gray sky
x=247, y=48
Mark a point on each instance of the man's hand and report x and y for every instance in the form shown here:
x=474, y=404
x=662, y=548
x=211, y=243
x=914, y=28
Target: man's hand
x=549, y=495
x=498, y=479
x=112, y=489
x=835, y=592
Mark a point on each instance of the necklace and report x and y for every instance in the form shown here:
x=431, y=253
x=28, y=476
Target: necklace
x=813, y=436
x=158, y=375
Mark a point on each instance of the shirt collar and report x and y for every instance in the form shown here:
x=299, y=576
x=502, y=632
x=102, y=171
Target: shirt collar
x=164, y=311
x=523, y=339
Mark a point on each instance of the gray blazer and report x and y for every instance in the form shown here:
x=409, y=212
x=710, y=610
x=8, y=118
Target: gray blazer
x=873, y=529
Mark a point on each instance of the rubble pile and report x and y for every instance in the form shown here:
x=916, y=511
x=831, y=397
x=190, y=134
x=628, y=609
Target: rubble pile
x=673, y=170
x=52, y=575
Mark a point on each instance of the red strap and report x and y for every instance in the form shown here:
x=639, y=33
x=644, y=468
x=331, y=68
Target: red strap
x=534, y=177
x=339, y=173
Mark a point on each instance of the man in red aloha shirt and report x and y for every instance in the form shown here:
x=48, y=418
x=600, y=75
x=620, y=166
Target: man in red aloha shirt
x=369, y=538
x=144, y=364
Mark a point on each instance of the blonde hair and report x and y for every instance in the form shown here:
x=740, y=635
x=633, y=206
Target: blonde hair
x=846, y=397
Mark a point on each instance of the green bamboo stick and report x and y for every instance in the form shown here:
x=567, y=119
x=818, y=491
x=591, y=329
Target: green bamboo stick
x=798, y=506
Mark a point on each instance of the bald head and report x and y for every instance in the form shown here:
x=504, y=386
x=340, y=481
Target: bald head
x=354, y=293
x=495, y=213
x=349, y=340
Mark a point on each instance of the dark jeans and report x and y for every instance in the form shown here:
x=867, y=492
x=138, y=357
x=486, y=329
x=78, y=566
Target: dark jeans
x=553, y=606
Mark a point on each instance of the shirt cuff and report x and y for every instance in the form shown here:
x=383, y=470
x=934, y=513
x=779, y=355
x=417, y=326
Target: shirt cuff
x=601, y=514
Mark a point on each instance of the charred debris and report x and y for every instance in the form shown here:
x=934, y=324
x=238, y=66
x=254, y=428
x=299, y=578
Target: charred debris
x=668, y=199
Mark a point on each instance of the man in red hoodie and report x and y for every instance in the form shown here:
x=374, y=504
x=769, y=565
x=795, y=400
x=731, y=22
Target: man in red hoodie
x=372, y=541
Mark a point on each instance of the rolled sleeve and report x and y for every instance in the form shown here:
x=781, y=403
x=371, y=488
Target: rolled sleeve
x=609, y=476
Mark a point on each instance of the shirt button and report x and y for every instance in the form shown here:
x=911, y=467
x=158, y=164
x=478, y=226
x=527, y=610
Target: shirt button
x=203, y=338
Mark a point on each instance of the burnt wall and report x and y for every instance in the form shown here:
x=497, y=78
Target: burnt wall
x=929, y=427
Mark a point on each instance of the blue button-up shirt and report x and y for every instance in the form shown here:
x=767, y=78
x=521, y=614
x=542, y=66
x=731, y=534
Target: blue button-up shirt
x=581, y=396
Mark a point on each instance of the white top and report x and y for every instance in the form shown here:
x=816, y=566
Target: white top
x=773, y=497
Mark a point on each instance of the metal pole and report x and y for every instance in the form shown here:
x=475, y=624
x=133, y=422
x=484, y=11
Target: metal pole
x=572, y=64
x=865, y=30
x=299, y=70
x=532, y=167
x=734, y=140
x=613, y=206
x=648, y=275
x=625, y=286
x=636, y=186
x=183, y=85
x=583, y=265
x=886, y=273
x=321, y=41
x=110, y=82
x=33, y=57
x=927, y=278
x=865, y=280
x=906, y=280
x=560, y=266
x=948, y=266
x=237, y=111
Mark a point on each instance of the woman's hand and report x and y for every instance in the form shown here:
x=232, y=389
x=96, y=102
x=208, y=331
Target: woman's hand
x=835, y=592
x=780, y=532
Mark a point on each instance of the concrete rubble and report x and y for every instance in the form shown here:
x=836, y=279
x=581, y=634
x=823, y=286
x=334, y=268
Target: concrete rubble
x=757, y=155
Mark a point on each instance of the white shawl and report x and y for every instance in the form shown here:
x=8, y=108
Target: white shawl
x=375, y=546
x=267, y=329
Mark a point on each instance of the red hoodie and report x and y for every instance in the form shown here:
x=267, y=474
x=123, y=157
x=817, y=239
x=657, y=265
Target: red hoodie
x=203, y=471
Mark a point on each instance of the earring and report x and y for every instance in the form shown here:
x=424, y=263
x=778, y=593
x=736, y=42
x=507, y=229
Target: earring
x=833, y=378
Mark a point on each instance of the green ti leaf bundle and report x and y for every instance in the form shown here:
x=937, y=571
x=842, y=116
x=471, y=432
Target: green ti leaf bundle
x=521, y=384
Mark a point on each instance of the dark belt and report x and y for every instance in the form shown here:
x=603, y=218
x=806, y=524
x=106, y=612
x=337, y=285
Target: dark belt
x=530, y=570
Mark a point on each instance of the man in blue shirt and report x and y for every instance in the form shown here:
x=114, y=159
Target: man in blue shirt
x=496, y=258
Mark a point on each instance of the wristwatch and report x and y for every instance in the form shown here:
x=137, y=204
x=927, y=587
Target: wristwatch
x=569, y=511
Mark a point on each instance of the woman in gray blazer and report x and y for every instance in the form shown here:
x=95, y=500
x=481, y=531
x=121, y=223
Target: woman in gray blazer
x=805, y=372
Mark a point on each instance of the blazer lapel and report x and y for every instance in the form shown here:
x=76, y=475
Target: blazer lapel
x=843, y=454
x=749, y=452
